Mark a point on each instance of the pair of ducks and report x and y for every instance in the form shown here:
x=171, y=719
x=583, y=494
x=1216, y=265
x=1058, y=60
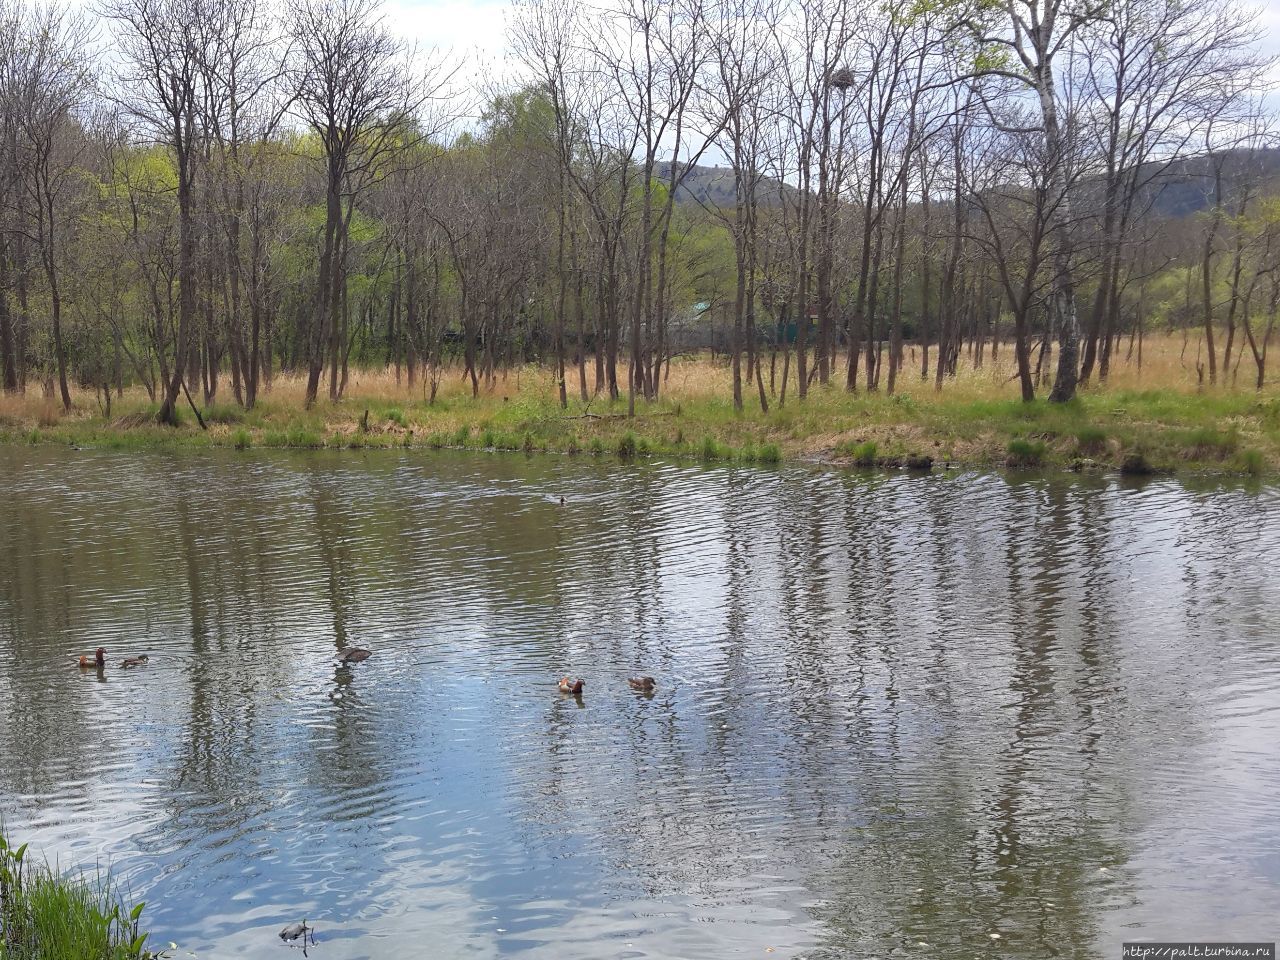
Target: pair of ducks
x=643, y=684
x=567, y=685
x=99, y=660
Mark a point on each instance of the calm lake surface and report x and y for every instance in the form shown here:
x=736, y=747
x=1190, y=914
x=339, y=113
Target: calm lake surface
x=891, y=712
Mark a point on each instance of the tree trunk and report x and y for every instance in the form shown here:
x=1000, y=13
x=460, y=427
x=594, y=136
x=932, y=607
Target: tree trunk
x=7, y=359
x=183, y=135
x=1064, y=290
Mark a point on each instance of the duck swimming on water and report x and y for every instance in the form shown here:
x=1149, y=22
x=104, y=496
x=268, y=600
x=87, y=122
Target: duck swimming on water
x=98, y=660
x=571, y=686
x=354, y=655
x=643, y=684
x=139, y=661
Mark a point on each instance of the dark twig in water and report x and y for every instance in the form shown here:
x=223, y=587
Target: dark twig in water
x=296, y=930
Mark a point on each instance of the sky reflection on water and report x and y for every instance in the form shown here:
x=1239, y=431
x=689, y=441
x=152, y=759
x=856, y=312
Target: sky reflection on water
x=891, y=710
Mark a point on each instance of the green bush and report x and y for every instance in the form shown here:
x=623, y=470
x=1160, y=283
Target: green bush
x=223, y=413
x=461, y=437
x=627, y=445
x=711, y=450
x=303, y=438
x=242, y=439
x=1207, y=443
x=863, y=454
x=919, y=461
x=597, y=447
x=770, y=453
x=1253, y=462
x=1135, y=463
x=1091, y=440
x=396, y=416
x=45, y=915
x=1024, y=454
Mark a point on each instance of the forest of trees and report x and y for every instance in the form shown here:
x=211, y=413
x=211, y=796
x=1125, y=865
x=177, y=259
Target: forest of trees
x=231, y=191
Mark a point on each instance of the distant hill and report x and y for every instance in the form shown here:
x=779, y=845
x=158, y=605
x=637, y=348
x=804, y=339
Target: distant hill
x=713, y=187
x=1186, y=188
x=710, y=186
x=1183, y=190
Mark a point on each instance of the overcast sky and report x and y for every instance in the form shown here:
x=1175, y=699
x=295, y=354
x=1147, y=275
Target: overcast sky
x=476, y=29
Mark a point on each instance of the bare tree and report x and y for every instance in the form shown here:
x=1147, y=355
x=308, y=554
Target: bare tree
x=160, y=46
x=745, y=88
x=243, y=102
x=357, y=89
x=45, y=84
x=1160, y=75
x=1035, y=32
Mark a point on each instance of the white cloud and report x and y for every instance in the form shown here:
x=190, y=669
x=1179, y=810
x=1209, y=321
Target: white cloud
x=474, y=30
x=1269, y=22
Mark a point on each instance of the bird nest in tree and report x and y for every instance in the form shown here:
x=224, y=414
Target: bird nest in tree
x=841, y=78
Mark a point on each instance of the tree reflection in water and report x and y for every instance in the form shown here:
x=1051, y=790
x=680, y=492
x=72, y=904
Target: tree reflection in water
x=890, y=710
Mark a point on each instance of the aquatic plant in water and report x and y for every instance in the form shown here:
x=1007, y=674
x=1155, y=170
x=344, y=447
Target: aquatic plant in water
x=45, y=914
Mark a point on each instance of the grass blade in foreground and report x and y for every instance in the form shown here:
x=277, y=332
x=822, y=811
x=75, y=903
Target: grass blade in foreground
x=46, y=915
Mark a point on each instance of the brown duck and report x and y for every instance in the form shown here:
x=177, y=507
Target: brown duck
x=354, y=655
x=98, y=660
x=139, y=661
x=643, y=684
x=571, y=686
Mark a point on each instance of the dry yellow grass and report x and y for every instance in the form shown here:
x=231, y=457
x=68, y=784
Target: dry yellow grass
x=1159, y=413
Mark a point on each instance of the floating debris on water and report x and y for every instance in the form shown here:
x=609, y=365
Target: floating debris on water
x=296, y=930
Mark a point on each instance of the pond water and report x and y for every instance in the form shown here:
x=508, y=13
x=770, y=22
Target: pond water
x=931, y=716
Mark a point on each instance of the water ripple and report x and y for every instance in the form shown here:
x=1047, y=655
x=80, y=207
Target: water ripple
x=891, y=710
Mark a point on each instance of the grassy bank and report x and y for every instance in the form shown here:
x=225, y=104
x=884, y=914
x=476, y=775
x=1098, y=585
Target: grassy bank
x=1153, y=419
x=45, y=915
